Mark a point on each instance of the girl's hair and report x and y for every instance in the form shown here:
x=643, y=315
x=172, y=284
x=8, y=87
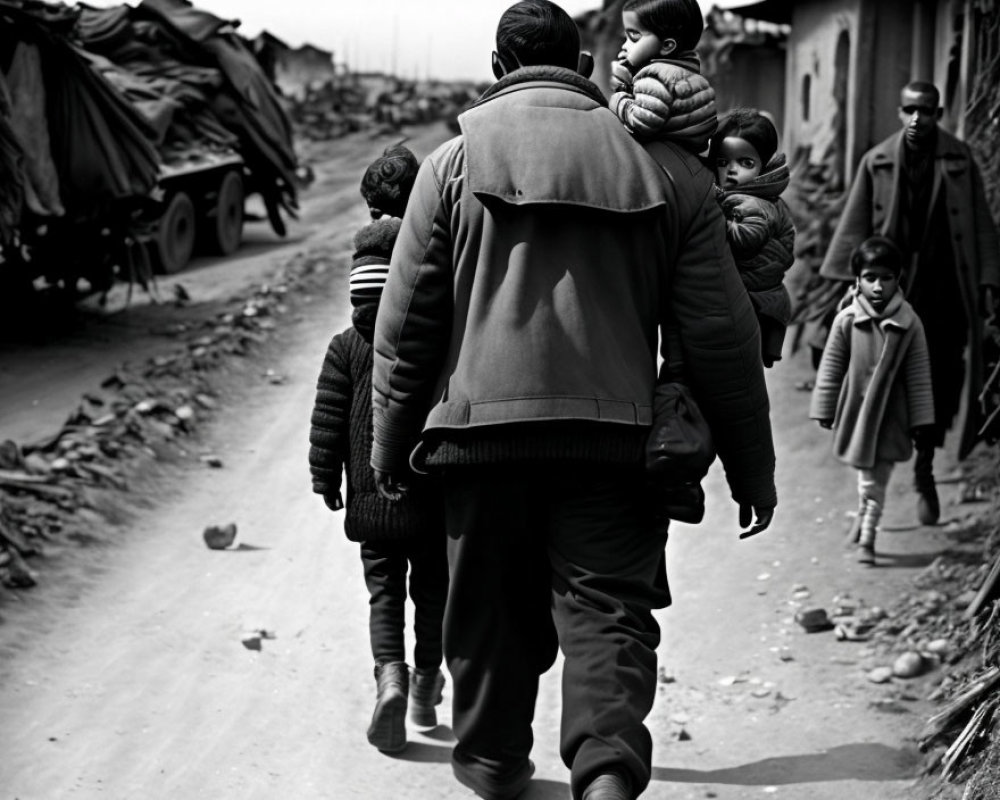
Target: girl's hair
x=680, y=20
x=877, y=251
x=751, y=125
x=537, y=32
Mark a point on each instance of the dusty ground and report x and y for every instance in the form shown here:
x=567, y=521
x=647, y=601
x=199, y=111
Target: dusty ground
x=123, y=675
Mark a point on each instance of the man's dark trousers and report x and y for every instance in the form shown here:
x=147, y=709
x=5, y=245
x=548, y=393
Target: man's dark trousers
x=540, y=551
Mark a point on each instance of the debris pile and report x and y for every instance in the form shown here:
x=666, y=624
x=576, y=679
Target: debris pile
x=51, y=487
x=107, y=115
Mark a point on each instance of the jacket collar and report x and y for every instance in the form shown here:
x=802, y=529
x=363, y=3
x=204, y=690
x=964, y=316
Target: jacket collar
x=768, y=185
x=890, y=151
x=897, y=313
x=688, y=59
x=547, y=74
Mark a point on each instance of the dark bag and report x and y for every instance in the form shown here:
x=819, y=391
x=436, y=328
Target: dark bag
x=679, y=448
x=679, y=452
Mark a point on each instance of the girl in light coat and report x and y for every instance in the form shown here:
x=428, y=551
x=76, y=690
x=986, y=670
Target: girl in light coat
x=873, y=387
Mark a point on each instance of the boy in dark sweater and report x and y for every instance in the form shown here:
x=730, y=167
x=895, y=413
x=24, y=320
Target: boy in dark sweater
x=394, y=536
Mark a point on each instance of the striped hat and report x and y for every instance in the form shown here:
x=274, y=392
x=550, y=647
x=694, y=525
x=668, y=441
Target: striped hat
x=370, y=264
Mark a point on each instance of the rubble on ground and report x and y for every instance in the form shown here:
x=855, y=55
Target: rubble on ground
x=140, y=413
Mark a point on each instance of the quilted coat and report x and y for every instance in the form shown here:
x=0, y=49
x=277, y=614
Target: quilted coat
x=526, y=289
x=874, y=206
x=874, y=382
x=761, y=233
x=669, y=99
x=340, y=440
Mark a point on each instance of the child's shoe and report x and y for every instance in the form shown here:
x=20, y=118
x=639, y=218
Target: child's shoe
x=866, y=536
x=387, y=731
x=425, y=694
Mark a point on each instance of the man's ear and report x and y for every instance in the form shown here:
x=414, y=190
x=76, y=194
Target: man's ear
x=585, y=65
x=668, y=46
x=498, y=68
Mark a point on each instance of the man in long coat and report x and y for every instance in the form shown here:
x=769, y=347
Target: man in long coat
x=922, y=188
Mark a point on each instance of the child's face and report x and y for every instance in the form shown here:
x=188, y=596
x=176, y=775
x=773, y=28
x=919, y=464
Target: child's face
x=737, y=162
x=641, y=45
x=877, y=285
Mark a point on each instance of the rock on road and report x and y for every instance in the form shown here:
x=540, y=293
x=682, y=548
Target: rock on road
x=138, y=684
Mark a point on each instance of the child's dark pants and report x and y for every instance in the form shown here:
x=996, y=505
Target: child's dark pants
x=385, y=564
x=546, y=557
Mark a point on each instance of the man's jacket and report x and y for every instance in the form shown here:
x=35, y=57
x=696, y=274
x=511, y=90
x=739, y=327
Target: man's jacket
x=542, y=252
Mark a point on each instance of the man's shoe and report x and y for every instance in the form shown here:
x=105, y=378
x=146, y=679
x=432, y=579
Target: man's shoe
x=489, y=786
x=928, y=505
x=425, y=694
x=609, y=786
x=866, y=554
x=387, y=730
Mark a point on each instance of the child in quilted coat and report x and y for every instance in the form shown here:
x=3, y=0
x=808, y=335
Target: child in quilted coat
x=751, y=176
x=658, y=89
x=407, y=534
x=873, y=387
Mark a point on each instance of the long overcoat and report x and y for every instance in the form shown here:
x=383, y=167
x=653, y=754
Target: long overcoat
x=874, y=207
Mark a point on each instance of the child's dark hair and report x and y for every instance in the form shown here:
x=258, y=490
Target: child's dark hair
x=680, y=20
x=877, y=251
x=751, y=125
x=535, y=32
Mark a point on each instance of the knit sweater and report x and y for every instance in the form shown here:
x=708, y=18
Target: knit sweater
x=340, y=440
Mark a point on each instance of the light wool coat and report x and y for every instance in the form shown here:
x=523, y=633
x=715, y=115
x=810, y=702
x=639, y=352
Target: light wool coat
x=874, y=382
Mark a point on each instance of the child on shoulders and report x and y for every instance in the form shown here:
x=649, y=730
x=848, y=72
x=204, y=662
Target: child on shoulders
x=658, y=89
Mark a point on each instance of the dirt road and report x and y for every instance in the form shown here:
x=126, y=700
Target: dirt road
x=127, y=677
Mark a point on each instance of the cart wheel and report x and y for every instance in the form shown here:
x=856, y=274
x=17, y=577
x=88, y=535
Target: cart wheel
x=224, y=225
x=175, y=234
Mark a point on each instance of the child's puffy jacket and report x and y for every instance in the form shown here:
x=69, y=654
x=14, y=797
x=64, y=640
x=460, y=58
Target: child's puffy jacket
x=761, y=234
x=667, y=99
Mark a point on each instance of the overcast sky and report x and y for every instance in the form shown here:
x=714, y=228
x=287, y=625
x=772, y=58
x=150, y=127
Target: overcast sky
x=447, y=38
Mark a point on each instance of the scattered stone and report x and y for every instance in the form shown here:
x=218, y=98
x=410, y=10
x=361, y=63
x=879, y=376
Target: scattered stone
x=252, y=639
x=909, y=665
x=205, y=401
x=213, y=461
x=664, y=677
x=679, y=734
x=219, y=538
x=761, y=693
x=11, y=457
x=731, y=680
x=15, y=574
x=184, y=413
x=880, y=675
x=37, y=464
x=939, y=647
x=764, y=576
x=853, y=630
x=813, y=620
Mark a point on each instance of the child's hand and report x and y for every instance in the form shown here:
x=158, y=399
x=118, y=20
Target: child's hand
x=825, y=423
x=334, y=502
x=621, y=76
x=389, y=487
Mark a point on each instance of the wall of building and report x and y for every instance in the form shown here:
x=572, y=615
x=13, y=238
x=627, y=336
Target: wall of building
x=755, y=77
x=811, y=76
